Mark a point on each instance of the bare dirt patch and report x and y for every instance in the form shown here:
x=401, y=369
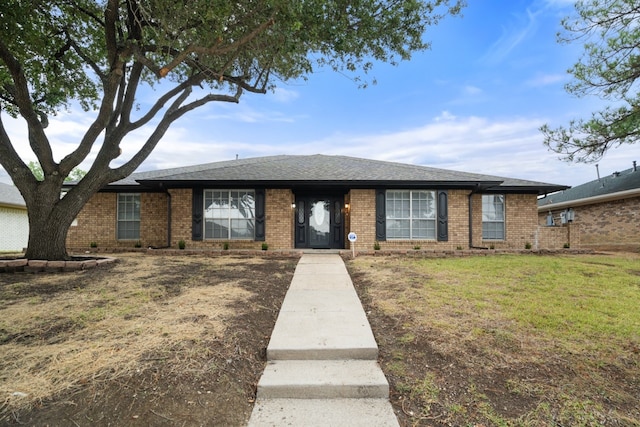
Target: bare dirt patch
x=149, y=340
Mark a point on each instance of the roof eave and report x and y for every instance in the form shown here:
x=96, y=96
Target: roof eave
x=529, y=189
x=13, y=206
x=317, y=183
x=591, y=200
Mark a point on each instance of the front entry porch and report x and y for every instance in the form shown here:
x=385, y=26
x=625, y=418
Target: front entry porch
x=319, y=222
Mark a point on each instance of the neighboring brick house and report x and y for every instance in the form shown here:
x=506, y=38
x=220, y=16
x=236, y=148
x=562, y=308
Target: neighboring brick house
x=311, y=202
x=600, y=214
x=14, y=221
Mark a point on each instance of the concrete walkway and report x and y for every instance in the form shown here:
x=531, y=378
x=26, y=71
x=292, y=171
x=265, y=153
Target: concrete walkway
x=322, y=365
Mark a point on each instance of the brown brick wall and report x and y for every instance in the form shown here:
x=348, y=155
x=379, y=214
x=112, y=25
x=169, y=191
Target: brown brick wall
x=558, y=237
x=279, y=218
x=153, y=219
x=458, y=227
x=181, y=216
x=608, y=225
x=97, y=222
x=278, y=213
x=361, y=218
x=521, y=222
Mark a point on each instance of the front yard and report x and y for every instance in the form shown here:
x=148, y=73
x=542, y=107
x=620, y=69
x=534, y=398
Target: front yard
x=179, y=341
x=507, y=340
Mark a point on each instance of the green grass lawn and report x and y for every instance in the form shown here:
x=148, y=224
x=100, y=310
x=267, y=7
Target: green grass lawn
x=579, y=301
x=559, y=334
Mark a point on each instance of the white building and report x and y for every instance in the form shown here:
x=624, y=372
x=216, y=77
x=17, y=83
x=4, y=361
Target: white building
x=14, y=222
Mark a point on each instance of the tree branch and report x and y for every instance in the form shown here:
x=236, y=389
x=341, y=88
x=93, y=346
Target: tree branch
x=11, y=161
x=214, y=50
x=37, y=138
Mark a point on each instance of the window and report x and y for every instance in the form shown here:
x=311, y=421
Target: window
x=411, y=214
x=493, y=216
x=128, y=216
x=229, y=214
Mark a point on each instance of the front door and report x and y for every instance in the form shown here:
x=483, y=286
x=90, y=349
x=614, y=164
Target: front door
x=319, y=223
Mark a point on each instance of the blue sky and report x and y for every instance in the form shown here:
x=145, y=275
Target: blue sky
x=474, y=103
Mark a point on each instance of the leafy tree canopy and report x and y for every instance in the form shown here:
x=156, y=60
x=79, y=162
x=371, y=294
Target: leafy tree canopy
x=609, y=68
x=98, y=53
x=76, y=175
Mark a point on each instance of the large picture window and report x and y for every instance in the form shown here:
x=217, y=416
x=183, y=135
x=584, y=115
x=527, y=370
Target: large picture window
x=411, y=214
x=128, y=216
x=229, y=214
x=493, y=216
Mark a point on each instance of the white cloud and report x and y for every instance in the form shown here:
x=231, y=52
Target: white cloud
x=246, y=114
x=508, y=146
x=472, y=90
x=559, y=4
x=522, y=28
x=283, y=95
x=546, y=79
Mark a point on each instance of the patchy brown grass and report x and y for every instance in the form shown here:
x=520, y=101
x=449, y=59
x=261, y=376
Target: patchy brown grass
x=507, y=340
x=146, y=341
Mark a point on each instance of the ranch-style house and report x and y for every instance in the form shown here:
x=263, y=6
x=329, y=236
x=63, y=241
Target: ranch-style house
x=313, y=202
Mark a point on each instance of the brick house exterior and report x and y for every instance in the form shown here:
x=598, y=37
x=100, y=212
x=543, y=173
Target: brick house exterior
x=600, y=214
x=296, y=202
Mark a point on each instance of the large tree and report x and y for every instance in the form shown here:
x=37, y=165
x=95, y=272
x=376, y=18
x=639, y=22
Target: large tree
x=609, y=68
x=100, y=53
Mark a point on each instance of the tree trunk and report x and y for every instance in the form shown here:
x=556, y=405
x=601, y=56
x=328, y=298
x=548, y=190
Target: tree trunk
x=47, y=242
x=48, y=234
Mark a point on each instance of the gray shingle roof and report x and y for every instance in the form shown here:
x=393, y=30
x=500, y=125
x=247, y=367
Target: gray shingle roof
x=10, y=196
x=620, y=181
x=321, y=169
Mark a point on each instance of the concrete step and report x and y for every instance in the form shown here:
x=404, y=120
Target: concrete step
x=322, y=324
x=322, y=335
x=323, y=413
x=322, y=379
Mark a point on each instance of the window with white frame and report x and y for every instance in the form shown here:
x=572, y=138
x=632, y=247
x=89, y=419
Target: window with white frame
x=128, y=216
x=493, y=216
x=411, y=214
x=229, y=214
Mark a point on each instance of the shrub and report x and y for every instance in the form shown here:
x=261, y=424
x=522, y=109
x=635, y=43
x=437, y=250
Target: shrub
x=376, y=246
x=566, y=246
x=138, y=244
x=527, y=245
x=225, y=246
x=416, y=248
x=182, y=244
x=93, y=244
x=265, y=246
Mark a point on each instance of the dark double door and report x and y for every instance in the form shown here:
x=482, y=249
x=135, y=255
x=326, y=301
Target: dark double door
x=319, y=222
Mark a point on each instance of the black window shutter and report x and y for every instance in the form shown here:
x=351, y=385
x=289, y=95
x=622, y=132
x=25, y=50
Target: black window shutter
x=260, y=232
x=197, y=210
x=381, y=215
x=443, y=217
